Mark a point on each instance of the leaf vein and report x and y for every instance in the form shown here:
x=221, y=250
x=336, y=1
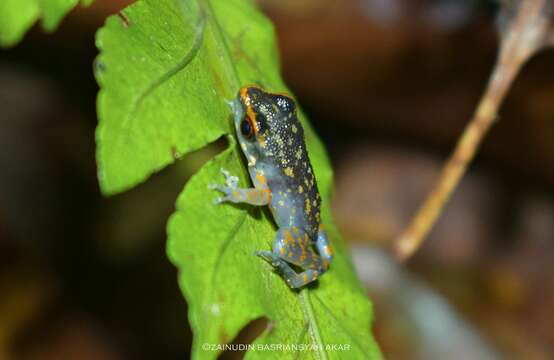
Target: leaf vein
x=310, y=317
x=225, y=245
x=300, y=337
x=346, y=331
x=187, y=58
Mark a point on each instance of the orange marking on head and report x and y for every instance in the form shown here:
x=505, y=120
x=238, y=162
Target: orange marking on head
x=321, y=227
x=250, y=113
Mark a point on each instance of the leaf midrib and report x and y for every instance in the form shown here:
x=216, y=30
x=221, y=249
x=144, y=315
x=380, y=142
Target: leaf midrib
x=305, y=304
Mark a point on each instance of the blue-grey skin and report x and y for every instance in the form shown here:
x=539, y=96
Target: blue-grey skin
x=272, y=141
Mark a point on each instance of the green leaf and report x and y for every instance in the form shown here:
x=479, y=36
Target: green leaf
x=227, y=286
x=17, y=16
x=165, y=70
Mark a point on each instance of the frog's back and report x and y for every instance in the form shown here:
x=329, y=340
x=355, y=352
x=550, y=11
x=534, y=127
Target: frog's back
x=295, y=196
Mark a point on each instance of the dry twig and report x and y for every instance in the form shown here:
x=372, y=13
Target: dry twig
x=525, y=27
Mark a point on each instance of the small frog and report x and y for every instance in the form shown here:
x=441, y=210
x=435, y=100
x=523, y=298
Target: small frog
x=272, y=140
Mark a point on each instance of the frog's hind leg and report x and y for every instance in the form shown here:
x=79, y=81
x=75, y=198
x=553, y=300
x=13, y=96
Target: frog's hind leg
x=294, y=246
x=324, y=247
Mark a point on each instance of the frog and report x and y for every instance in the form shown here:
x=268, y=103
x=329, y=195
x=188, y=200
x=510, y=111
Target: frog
x=272, y=141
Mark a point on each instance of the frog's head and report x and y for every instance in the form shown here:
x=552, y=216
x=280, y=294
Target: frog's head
x=259, y=119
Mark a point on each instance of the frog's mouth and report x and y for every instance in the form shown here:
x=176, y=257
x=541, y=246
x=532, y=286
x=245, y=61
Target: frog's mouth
x=237, y=108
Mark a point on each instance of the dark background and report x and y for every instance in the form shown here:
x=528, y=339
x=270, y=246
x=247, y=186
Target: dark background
x=389, y=86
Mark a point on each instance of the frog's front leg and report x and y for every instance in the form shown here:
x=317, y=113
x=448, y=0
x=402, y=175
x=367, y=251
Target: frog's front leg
x=259, y=195
x=293, y=246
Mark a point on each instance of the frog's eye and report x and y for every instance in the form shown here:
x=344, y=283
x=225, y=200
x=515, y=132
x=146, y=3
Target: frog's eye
x=246, y=128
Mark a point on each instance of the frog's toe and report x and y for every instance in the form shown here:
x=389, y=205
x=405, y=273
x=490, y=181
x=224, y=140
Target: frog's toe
x=230, y=180
x=219, y=200
x=293, y=282
x=225, y=172
x=221, y=188
x=265, y=254
x=269, y=257
x=222, y=199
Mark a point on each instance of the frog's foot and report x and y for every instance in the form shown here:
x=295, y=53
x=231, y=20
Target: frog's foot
x=230, y=190
x=296, y=280
x=292, y=246
x=293, y=279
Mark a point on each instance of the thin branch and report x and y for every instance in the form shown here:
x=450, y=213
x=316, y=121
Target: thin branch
x=525, y=34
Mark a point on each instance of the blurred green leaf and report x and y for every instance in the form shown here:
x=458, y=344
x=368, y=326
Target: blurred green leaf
x=165, y=69
x=17, y=16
